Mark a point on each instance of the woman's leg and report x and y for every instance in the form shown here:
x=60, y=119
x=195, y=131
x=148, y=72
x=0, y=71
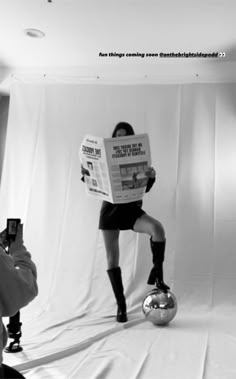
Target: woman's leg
x=111, y=241
x=149, y=225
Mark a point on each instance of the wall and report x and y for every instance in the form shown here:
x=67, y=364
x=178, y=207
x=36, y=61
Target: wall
x=4, y=107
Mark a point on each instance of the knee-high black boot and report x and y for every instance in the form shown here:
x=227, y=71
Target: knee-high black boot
x=117, y=286
x=156, y=274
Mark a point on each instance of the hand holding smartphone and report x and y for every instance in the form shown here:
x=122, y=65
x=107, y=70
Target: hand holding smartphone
x=12, y=225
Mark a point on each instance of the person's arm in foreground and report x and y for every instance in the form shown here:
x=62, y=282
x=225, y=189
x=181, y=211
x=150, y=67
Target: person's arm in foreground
x=18, y=285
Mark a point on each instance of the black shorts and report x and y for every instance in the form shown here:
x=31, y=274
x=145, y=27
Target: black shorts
x=119, y=216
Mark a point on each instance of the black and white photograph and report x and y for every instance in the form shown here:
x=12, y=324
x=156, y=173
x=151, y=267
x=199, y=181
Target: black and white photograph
x=121, y=266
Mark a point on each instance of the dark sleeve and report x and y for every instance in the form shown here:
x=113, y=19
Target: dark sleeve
x=150, y=183
x=18, y=285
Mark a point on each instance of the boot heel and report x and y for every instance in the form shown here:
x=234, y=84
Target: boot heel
x=152, y=277
x=121, y=313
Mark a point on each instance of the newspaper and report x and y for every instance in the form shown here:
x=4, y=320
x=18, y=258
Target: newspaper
x=115, y=167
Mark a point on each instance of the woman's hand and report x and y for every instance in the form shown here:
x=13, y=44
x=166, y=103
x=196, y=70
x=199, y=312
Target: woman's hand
x=150, y=173
x=84, y=171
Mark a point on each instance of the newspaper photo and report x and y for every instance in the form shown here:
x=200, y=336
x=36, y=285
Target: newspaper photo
x=115, y=167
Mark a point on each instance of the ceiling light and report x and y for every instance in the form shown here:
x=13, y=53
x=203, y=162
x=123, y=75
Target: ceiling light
x=34, y=33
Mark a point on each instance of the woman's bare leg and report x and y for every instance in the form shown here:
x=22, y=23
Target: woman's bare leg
x=111, y=241
x=149, y=225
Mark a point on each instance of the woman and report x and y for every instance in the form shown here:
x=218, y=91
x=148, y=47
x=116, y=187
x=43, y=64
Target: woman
x=116, y=217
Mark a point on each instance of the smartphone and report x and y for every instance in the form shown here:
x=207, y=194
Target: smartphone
x=12, y=224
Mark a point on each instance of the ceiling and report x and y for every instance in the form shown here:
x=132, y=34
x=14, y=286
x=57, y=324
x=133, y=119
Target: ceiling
x=77, y=31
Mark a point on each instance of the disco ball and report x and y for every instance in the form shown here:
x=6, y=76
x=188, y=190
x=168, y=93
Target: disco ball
x=159, y=307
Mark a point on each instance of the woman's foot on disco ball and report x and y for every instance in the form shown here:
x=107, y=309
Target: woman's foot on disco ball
x=162, y=286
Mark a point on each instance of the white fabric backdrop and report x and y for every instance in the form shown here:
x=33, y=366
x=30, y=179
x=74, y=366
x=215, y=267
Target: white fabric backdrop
x=192, y=134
